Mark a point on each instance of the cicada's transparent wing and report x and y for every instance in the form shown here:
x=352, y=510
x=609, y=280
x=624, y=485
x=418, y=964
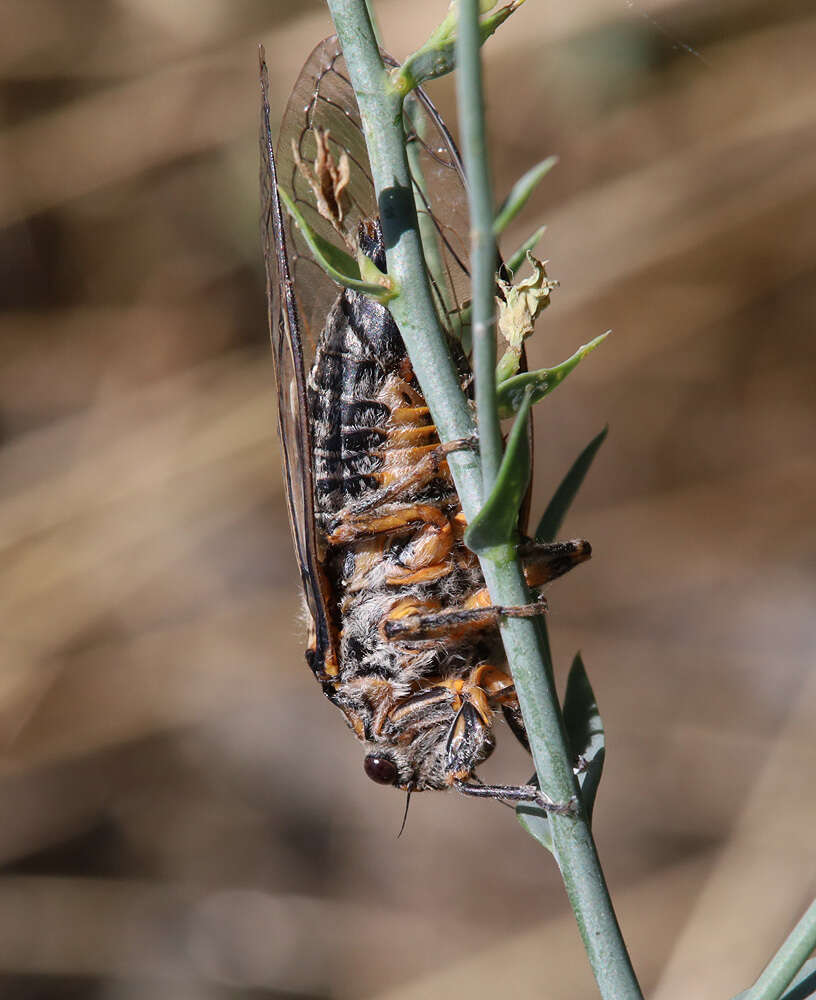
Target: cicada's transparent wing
x=301, y=295
x=323, y=99
x=442, y=210
x=293, y=423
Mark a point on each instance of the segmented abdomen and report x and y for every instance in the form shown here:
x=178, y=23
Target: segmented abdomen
x=359, y=346
x=370, y=424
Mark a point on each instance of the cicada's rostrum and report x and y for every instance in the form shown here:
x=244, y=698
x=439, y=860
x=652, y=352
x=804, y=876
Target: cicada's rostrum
x=403, y=638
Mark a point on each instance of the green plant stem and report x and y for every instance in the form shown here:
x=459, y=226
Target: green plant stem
x=525, y=640
x=470, y=100
x=780, y=971
x=528, y=653
x=413, y=309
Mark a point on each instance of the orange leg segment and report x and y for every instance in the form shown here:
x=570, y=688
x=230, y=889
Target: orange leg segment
x=355, y=526
x=547, y=561
x=420, y=624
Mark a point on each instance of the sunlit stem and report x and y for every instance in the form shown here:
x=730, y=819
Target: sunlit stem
x=524, y=639
x=470, y=99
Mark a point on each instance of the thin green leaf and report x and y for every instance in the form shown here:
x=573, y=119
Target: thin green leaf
x=585, y=731
x=517, y=258
x=436, y=57
x=373, y=19
x=339, y=265
x=520, y=192
x=550, y=523
x=510, y=393
x=582, y=720
x=509, y=363
x=535, y=822
x=590, y=779
x=497, y=522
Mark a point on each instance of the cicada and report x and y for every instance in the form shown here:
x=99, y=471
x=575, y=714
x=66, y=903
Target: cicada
x=403, y=637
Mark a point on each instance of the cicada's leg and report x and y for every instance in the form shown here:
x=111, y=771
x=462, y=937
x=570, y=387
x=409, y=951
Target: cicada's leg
x=497, y=684
x=484, y=687
x=407, y=620
x=426, y=558
x=366, y=703
x=406, y=469
x=518, y=794
x=411, y=425
x=405, y=612
x=545, y=561
x=355, y=721
x=512, y=716
x=432, y=554
x=351, y=527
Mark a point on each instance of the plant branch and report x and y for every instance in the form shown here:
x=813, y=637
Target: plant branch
x=525, y=640
x=781, y=969
x=470, y=99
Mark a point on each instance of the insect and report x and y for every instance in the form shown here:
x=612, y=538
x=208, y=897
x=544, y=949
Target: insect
x=403, y=637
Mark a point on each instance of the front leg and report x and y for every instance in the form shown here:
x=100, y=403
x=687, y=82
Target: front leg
x=518, y=794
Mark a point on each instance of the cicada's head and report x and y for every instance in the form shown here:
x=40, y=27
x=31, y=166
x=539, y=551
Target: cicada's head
x=430, y=741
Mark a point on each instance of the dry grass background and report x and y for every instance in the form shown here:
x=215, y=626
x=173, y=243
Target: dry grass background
x=181, y=813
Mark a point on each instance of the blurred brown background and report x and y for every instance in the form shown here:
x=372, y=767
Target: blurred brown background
x=182, y=815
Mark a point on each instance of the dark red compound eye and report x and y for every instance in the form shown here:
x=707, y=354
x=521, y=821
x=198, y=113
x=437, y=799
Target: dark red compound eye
x=383, y=770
